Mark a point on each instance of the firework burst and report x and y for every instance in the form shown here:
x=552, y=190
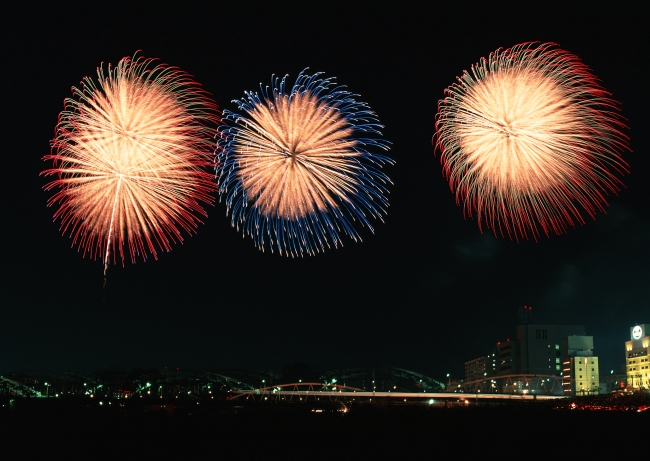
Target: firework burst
x=528, y=139
x=294, y=167
x=130, y=156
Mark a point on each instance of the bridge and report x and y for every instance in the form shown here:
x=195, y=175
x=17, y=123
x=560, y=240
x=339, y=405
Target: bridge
x=383, y=378
x=318, y=392
x=380, y=383
x=10, y=386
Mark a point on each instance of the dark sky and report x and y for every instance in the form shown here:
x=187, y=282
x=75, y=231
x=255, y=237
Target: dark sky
x=426, y=292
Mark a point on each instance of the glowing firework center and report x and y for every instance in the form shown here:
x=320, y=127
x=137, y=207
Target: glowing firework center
x=503, y=147
x=291, y=157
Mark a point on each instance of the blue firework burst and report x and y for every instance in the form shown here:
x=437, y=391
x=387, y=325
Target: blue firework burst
x=295, y=167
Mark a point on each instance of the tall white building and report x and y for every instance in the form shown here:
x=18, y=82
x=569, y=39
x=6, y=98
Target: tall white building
x=637, y=362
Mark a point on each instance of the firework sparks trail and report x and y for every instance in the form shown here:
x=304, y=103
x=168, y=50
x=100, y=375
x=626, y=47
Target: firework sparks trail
x=110, y=229
x=294, y=168
x=132, y=156
x=528, y=138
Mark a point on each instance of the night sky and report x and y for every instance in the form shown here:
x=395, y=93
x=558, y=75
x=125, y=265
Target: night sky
x=426, y=292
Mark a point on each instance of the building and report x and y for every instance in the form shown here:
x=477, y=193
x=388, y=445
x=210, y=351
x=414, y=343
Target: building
x=537, y=361
x=637, y=362
x=481, y=368
x=540, y=345
x=612, y=382
x=580, y=372
x=508, y=357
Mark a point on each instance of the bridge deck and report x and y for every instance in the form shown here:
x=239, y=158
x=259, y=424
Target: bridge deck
x=399, y=395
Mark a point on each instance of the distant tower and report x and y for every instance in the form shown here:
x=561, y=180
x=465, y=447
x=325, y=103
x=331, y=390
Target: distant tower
x=525, y=315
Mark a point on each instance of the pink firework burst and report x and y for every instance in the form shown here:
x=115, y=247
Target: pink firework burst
x=529, y=140
x=130, y=157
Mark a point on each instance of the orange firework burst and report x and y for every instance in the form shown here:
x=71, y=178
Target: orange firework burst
x=528, y=139
x=299, y=180
x=130, y=155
